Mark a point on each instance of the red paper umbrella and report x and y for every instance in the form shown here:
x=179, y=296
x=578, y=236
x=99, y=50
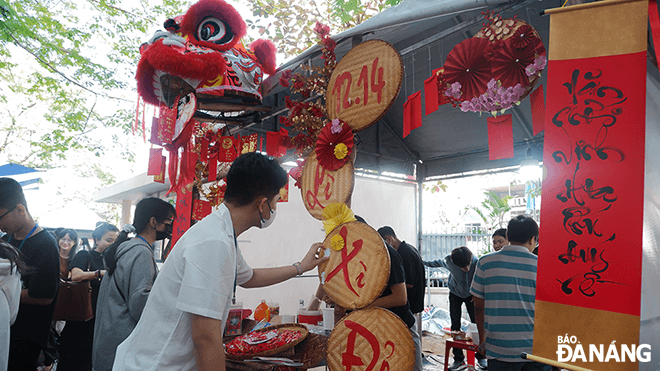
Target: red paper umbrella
x=334, y=145
x=467, y=65
x=509, y=63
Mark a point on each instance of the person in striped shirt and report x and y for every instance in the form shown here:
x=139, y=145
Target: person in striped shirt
x=504, y=288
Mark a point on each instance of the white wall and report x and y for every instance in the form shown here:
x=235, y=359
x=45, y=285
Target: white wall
x=294, y=230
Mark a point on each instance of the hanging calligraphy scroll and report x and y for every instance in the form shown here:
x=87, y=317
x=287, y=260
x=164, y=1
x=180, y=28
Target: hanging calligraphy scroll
x=321, y=187
x=371, y=339
x=359, y=266
x=590, y=258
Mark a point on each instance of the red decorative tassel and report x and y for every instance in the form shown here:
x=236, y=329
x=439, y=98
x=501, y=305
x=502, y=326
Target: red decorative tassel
x=654, y=19
x=537, y=101
x=431, y=94
x=137, y=113
x=412, y=113
x=500, y=137
x=144, y=114
x=173, y=168
x=155, y=159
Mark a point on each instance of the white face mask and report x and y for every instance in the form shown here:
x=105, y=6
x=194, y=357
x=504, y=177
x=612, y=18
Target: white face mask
x=266, y=223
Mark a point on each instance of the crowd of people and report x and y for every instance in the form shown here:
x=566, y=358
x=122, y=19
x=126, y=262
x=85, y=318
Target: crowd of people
x=171, y=320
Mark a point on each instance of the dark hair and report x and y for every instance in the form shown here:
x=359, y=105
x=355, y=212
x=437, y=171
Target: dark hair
x=386, y=231
x=10, y=253
x=254, y=175
x=11, y=194
x=147, y=208
x=361, y=219
x=500, y=232
x=461, y=256
x=521, y=229
x=74, y=236
x=84, y=243
x=101, y=229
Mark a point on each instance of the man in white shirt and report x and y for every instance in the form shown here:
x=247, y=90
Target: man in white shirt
x=182, y=324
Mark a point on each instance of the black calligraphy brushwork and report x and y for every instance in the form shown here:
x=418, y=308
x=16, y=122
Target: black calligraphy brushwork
x=587, y=196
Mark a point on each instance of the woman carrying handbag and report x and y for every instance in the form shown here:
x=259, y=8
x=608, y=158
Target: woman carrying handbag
x=76, y=338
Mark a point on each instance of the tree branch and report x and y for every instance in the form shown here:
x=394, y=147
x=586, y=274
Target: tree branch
x=47, y=64
x=123, y=11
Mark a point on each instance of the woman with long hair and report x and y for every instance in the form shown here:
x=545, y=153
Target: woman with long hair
x=131, y=271
x=10, y=286
x=67, y=243
x=76, y=338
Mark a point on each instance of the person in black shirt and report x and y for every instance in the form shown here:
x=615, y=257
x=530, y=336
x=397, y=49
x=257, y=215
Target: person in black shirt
x=77, y=336
x=415, y=281
x=29, y=334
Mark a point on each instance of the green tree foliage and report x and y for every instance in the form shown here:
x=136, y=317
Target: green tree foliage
x=66, y=70
x=290, y=23
x=492, y=210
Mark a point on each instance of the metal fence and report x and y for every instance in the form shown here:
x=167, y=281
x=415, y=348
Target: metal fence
x=437, y=246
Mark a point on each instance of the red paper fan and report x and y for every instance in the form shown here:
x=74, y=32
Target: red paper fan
x=467, y=65
x=334, y=145
x=523, y=36
x=509, y=63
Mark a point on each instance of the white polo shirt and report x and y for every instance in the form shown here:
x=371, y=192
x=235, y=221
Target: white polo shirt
x=197, y=278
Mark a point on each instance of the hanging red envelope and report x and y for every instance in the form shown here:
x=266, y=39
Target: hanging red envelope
x=500, y=137
x=537, y=101
x=155, y=161
x=166, y=123
x=284, y=136
x=412, y=113
x=154, y=132
x=249, y=143
x=227, y=150
x=160, y=177
x=201, y=209
x=431, y=94
x=273, y=143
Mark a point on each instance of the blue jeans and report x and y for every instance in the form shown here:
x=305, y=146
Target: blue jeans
x=495, y=365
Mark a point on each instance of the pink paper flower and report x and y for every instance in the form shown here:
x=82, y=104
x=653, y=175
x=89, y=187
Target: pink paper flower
x=336, y=126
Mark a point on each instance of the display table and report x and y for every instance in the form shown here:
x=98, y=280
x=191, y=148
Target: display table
x=461, y=344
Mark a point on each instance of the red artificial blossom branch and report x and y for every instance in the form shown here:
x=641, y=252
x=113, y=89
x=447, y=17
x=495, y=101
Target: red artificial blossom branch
x=307, y=113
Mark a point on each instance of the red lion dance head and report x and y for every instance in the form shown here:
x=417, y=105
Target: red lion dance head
x=201, y=52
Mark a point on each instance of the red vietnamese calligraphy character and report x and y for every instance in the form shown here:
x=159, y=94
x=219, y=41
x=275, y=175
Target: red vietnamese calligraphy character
x=345, y=259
